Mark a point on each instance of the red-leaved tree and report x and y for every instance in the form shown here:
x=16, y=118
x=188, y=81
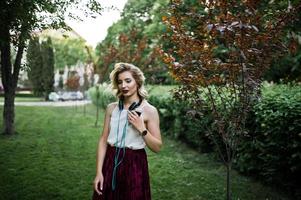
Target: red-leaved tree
x=221, y=50
x=73, y=83
x=131, y=48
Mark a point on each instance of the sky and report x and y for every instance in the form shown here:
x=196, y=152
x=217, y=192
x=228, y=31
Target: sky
x=95, y=30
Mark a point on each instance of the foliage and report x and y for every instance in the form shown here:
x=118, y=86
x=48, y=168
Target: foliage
x=48, y=67
x=18, y=20
x=286, y=69
x=136, y=38
x=40, y=60
x=61, y=83
x=106, y=95
x=272, y=151
x=69, y=51
x=35, y=64
x=182, y=125
x=221, y=47
x=73, y=83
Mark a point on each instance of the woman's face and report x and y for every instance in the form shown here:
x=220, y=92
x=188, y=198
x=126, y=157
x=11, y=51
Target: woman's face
x=127, y=84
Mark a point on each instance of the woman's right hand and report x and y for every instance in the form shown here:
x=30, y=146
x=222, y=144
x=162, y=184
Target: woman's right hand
x=98, y=180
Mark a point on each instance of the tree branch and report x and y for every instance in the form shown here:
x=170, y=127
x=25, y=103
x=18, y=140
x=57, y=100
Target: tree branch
x=17, y=64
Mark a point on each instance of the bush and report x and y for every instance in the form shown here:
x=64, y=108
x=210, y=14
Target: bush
x=273, y=150
x=178, y=122
x=103, y=97
x=106, y=94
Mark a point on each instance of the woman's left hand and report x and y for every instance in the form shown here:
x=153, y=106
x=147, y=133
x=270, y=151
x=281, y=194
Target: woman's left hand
x=136, y=120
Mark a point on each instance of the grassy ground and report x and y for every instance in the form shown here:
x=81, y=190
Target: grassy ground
x=160, y=89
x=53, y=157
x=25, y=99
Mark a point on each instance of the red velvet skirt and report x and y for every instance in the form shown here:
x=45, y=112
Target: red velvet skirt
x=132, y=178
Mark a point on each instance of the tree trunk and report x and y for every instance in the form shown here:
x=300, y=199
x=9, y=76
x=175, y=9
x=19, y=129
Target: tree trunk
x=228, y=180
x=102, y=72
x=9, y=75
x=97, y=104
x=9, y=112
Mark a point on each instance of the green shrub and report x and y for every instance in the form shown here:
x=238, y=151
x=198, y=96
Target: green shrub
x=273, y=149
x=103, y=97
x=177, y=121
x=106, y=95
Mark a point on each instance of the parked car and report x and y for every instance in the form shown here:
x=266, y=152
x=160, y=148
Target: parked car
x=65, y=96
x=53, y=96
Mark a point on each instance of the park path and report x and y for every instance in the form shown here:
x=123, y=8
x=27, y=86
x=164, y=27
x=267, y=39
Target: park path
x=51, y=103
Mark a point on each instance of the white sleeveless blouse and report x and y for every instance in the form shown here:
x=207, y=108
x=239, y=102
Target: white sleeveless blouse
x=133, y=139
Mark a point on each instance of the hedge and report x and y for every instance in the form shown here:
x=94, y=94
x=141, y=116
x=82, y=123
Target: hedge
x=273, y=149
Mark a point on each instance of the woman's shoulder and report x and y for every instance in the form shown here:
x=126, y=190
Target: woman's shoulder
x=149, y=108
x=111, y=107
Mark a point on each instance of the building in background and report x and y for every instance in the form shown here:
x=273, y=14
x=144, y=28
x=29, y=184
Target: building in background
x=81, y=68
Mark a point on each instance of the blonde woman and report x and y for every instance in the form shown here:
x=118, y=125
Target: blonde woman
x=130, y=125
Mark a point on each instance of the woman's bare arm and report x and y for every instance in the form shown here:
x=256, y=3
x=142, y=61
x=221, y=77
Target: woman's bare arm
x=102, y=144
x=153, y=137
x=102, y=148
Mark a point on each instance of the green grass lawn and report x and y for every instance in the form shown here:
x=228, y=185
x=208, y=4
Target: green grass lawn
x=159, y=90
x=25, y=99
x=53, y=157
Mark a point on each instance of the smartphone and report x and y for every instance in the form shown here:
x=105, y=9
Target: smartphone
x=138, y=112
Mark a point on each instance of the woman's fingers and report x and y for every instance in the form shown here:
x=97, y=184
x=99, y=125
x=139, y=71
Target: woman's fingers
x=96, y=183
x=134, y=113
x=130, y=113
x=96, y=187
x=131, y=116
x=101, y=184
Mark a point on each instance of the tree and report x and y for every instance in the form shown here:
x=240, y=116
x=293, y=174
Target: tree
x=131, y=48
x=220, y=53
x=288, y=68
x=18, y=19
x=73, y=82
x=35, y=64
x=40, y=60
x=68, y=51
x=136, y=38
x=48, y=67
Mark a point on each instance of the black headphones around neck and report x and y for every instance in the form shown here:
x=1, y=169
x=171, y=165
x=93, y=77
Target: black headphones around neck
x=133, y=106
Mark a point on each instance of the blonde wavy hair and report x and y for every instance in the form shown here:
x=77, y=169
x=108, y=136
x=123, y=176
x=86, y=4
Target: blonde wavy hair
x=136, y=73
